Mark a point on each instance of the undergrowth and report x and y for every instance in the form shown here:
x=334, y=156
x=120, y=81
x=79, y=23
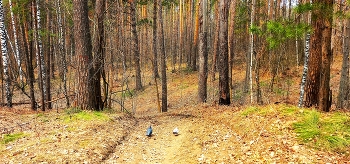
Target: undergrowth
x=324, y=131
x=11, y=137
x=329, y=131
x=77, y=114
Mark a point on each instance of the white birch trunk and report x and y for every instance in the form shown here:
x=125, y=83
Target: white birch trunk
x=306, y=65
x=251, y=52
x=40, y=55
x=5, y=59
x=17, y=55
x=61, y=43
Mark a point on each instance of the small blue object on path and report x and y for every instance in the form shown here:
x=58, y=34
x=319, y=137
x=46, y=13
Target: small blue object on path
x=149, y=131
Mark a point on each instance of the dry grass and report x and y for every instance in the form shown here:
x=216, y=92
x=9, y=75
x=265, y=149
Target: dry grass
x=208, y=133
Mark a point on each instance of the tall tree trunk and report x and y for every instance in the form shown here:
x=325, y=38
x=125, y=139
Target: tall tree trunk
x=314, y=70
x=62, y=53
x=136, y=49
x=203, y=53
x=216, y=42
x=231, y=39
x=175, y=37
x=98, y=51
x=163, y=60
x=224, y=90
x=83, y=51
x=305, y=70
x=252, y=17
x=17, y=54
x=5, y=57
x=181, y=40
x=325, y=95
x=344, y=78
x=48, y=56
x=155, y=48
x=195, y=38
x=29, y=66
x=39, y=53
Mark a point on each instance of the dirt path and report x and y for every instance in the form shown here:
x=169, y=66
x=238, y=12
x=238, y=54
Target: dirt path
x=212, y=138
x=162, y=147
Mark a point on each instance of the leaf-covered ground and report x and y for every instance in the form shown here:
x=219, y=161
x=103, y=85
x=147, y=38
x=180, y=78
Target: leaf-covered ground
x=208, y=133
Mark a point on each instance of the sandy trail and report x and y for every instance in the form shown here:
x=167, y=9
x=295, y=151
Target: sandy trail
x=162, y=147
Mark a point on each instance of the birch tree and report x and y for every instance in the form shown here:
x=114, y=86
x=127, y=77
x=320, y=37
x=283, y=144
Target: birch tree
x=305, y=70
x=251, y=52
x=16, y=47
x=39, y=53
x=5, y=57
x=62, y=52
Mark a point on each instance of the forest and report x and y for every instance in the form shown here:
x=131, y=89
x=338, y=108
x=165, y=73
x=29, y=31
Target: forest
x=246, y=81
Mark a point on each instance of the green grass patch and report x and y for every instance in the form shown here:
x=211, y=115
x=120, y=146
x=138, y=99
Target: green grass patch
x=87, y=116
x=329, y=131
x=249, y=110
x=12, y=137
x=289, y=110
x=261, y=110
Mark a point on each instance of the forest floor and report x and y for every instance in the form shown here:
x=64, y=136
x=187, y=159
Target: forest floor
x=208, y=133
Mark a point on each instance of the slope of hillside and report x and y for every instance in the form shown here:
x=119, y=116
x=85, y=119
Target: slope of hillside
x=208, y=133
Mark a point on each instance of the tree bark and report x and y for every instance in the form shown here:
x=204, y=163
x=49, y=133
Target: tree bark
x=99, y=54
x=203, y=53
x=155, y=48
x=252, y=17
x=29, y=66
x=48, y=57
x=138, y=83
x=61, y=44
x=305, y=70
x=163, y=60
x=224, y=90
x=325, y=95
x=314, y=70
x=83, y=51
x=17, y=54
x=195, y=37
x=344, y=78
x=216, y=43
x=5, y=57
x=39, y=53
